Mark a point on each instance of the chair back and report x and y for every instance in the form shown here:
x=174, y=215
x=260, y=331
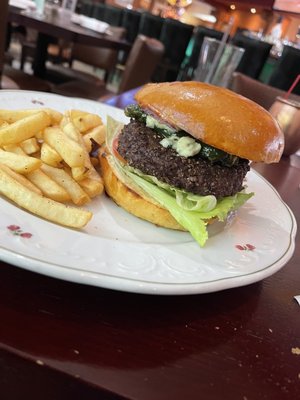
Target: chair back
x=286, y=69
x=151, y=25
x=131, y=21
x=141, y=63
x=255, y=55
x=257, y=91
x=103, y=12
x=86, y=8
x=97, y=11
x=198, y=37
x=190, y=62
x=175, y=36
x=112, y=15
x=98, y=57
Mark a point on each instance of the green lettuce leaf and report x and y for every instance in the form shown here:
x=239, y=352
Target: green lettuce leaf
x=192, y=221
x=188, y=201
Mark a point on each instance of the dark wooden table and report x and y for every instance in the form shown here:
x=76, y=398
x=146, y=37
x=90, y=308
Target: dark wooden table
x=60, y=26
x=61, y=340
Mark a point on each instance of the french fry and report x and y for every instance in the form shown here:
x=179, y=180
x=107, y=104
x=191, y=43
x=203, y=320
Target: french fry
x=11, y=116
x=91, y=187
x=67, y=148
x=21, y=179
x=3, y=124
x=73, y=113
x=86, y=121
x=71, y=131
x=98, y=134
x=55, y=116
x=19, y=163
x=24, y=128
x=74, y=133
x=50, y=156
x=60, y=176
x=45, y=162
x=65, y=120
x=30, y=146
x=42, y=206
x=78, y=173
x=14, y=148
x=48, y=186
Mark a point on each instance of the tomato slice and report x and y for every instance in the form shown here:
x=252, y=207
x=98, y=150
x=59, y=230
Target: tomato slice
x=116, y=154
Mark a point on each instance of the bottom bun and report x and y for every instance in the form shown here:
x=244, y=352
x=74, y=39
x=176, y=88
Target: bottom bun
x=133, y=202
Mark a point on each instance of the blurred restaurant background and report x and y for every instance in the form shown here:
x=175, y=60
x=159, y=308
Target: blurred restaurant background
x=164, y=40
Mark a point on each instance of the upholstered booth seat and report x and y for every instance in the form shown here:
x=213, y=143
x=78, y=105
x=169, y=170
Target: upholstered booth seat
x=286, y=69
x=85, y=7
x=107, y=13
x=255, y=55
x=150, y=25
x=175, y=36
x=130, y=21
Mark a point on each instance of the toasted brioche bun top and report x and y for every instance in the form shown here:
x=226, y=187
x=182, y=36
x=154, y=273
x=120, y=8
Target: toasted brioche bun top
x=216, y=116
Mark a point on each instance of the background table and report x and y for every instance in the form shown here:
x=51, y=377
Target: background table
x=60, y=26
x=60, y=340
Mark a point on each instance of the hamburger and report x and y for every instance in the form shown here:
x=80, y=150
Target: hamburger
x=182, y=160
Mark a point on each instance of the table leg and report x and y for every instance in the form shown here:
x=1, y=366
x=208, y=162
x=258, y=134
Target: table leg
x=40, y=58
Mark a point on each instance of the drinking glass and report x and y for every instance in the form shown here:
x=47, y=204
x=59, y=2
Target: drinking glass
x=287, y=113
x=217, y=62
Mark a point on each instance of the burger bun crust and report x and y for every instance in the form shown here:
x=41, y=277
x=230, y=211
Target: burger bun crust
x=216, y=116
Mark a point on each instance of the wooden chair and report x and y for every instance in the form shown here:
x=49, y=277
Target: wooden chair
x=141, y=63
x=97, y=57
x=257, y=91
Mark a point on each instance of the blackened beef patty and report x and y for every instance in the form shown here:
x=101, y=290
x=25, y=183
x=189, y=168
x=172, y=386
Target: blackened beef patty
x=140, y=147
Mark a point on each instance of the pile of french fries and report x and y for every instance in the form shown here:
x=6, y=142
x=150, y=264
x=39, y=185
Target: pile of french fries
x=45, y=162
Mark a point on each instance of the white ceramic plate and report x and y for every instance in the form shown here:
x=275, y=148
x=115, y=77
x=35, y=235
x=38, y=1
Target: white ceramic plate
x=121, y=252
